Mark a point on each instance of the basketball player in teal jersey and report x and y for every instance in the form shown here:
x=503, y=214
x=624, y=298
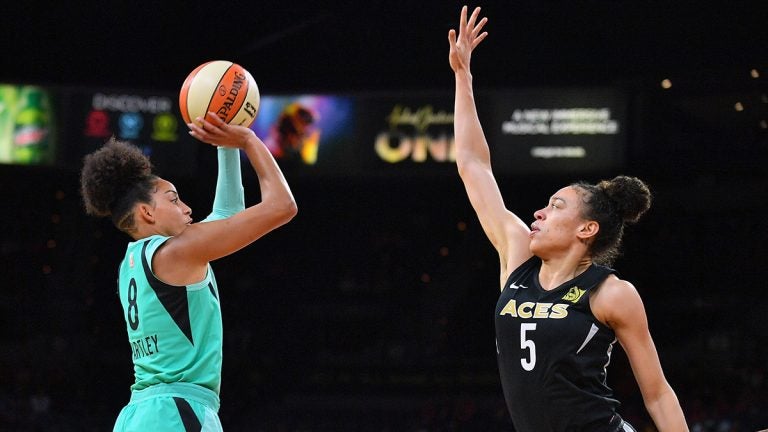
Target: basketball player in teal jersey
x=560, y=311
x=166, y=285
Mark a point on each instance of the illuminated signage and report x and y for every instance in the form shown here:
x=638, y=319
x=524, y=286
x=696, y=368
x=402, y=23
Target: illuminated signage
x=528, y=131
x=150, y=121
x=27, y=125
x=419, y=133
x=313, y=133
x=550, y=130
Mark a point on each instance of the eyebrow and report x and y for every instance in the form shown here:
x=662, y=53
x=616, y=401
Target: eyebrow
x=172, y=191
x=556, y=198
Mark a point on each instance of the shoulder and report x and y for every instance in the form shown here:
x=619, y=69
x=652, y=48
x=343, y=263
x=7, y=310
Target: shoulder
x=156, y=249
x=532, y=263
x=155, y=241
x=151, y=244
x=616, y=302
x=174, y=262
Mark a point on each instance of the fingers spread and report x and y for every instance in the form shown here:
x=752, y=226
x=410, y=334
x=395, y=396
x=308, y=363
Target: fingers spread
x=479, y=27
x=479, y=39
x=473, y=18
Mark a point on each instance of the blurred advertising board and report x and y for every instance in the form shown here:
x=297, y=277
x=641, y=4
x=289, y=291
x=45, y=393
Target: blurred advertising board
x=27, y=125
x=555, y=130
x=359, y=135
x=150, y=120
x=529, y=131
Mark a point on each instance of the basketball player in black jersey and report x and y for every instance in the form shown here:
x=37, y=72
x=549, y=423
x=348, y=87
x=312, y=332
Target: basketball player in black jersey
x=560, y=311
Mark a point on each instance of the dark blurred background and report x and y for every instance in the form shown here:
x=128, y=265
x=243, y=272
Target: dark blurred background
x=373, y=309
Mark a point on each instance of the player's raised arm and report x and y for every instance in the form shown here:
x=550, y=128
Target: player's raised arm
x=507, y=232
x=208, y=241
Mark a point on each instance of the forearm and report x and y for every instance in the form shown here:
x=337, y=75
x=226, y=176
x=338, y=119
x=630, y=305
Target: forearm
x=274, y=188
x=230, y=197
x=666, y=412
x=471, y=144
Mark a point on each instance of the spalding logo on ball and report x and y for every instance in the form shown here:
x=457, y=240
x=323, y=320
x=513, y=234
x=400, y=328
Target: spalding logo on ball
x=222, y=87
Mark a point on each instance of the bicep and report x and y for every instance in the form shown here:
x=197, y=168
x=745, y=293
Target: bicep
x=207, y=241
x=506, y=231
x=630, y=323
x=644, y=360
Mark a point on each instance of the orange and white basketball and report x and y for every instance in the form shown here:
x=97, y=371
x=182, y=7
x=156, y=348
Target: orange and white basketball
x=222, y=87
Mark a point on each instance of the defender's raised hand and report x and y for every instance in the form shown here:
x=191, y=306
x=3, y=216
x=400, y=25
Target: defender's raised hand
x=470, y=35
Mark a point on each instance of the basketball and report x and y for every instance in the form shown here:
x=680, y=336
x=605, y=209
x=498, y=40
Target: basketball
x=222, y=87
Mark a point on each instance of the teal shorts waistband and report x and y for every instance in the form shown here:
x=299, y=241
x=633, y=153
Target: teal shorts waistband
x=181, y=389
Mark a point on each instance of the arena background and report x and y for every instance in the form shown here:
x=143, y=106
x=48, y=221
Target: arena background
x=372, y=310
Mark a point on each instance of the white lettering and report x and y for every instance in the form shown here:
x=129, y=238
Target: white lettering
x=558, y=152
x=131, y=103
x=560, y=121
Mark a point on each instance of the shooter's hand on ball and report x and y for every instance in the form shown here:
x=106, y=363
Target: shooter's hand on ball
x=213, y=130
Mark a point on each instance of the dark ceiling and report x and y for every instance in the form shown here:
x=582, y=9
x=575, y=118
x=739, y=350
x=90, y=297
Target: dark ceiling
x=384, y=45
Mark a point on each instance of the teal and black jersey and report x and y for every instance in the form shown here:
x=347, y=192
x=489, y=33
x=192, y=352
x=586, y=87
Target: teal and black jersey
x=175, y=332
x=553, y=353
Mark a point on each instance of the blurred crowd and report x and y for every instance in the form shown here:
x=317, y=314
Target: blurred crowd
x=372, y=311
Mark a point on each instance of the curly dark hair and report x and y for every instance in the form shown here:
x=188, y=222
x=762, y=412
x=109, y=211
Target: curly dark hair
x=113, y=179
x=613, y=204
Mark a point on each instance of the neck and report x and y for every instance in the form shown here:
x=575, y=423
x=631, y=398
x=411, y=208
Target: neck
x=556, y=271
x=143, y=231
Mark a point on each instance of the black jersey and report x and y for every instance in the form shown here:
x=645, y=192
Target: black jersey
x=553, y=353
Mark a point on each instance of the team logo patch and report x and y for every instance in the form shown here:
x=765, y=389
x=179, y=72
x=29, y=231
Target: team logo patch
x=574, y=294
x=130, y=260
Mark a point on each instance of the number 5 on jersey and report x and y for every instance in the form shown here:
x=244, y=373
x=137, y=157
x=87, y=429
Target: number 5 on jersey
x=526, y=343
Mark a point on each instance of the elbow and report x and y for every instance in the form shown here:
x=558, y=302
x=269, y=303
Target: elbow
x=281, y=207
x=291, y=209
x=472, y=156
x=462, y=168
x=287, y=210
x=466, y=165
x=280, y=213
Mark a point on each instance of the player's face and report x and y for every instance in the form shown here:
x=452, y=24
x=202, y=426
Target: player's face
x=556, y=226
x=171, y=214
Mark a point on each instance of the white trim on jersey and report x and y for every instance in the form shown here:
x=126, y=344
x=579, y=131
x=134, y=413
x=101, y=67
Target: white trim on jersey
x=590, y=335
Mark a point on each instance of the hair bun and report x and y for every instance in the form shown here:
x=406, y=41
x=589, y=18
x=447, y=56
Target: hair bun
x=630, y=195
x=109, y=173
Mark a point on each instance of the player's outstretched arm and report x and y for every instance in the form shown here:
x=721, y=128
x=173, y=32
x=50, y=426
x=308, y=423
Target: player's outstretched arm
x=507, y=232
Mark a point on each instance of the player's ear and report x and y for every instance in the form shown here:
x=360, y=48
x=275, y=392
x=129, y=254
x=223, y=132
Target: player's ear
x=145, y=212
x=588, y=230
